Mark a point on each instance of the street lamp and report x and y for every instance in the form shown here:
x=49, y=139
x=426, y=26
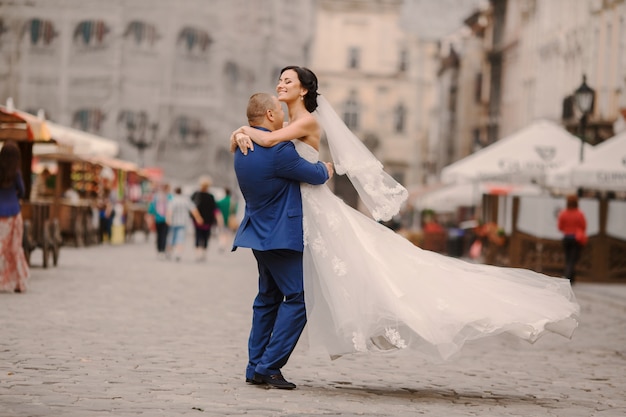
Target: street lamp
x=141, y=134
x=584, y=98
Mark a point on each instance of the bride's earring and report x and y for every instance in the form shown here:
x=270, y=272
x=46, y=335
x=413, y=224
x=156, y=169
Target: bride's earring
x=301, y=98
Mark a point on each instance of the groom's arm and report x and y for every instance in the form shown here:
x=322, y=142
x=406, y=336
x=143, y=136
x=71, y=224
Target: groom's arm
x=288, y=164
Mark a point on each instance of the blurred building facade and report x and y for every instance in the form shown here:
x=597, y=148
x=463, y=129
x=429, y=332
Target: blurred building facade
x=379, y=77
x=168, y=80
x=516, y=61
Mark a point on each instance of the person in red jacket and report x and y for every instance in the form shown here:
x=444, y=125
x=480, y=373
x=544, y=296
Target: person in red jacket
x=573, y=225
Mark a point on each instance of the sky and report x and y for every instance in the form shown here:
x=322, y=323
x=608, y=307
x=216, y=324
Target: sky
x=437, y=18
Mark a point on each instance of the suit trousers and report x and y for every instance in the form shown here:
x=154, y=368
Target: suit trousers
x=279, y=314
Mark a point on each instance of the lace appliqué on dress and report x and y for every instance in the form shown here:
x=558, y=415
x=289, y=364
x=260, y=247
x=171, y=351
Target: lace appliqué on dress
x=339, y=267
x=317, y=242
x=390, y=340
x=393, y=336
x=317, y=245
x=378, y=191
x=358, y=341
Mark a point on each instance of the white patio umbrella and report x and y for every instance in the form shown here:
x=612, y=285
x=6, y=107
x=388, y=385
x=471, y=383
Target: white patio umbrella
x=605, y=168
x=470, y=194
x=523, y=157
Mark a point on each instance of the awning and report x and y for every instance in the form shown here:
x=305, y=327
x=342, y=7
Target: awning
x=83, y=143
x=62, y=157
x=21, y=126
x=114, y=163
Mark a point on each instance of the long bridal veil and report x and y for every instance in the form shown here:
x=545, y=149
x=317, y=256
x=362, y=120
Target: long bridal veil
x=381, y=194
x=369, y=289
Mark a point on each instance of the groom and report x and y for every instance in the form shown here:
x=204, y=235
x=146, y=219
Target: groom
x=269, y=179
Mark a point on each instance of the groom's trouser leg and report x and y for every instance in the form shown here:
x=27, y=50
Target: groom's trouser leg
x=264, y=310
x=279, y=312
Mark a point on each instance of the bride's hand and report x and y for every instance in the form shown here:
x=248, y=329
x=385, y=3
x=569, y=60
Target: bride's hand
x=233, y=141
x=240, y=140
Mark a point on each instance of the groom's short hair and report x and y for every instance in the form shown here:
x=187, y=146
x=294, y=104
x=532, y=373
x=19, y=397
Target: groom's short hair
x=258, y=105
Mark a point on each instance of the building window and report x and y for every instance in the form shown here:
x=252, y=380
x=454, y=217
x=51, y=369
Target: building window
x=404, y=60
x=568, y=108
x=478, y=87
x=354, y=57
x=477, y=143
x=399, y=118
x=231, y=71
x=351, y=111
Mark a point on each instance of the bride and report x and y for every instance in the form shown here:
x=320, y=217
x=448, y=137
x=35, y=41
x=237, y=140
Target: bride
x=368, y=288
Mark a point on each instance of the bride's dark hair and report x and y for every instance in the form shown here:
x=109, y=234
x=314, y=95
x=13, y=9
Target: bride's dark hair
x=309, y=82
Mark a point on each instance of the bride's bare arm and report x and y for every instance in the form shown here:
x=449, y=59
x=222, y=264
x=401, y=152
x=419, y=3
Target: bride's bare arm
x=298, y=129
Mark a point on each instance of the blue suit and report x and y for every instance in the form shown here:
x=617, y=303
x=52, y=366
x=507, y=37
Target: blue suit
x=269, y=179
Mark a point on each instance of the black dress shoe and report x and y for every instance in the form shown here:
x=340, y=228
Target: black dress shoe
x=252, y=381
x=276, y=381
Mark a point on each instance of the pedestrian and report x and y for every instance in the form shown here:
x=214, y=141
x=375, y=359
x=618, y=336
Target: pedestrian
x=158, y=209
x=205, y=203
x=42, y=186
x=269, y=179
x=14, y=270
x=573, y=224
x=107, y=212
x=178, y=211
x=369, y=289
x=227, y=225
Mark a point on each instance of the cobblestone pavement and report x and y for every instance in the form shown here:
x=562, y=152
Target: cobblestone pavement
x=112, y=331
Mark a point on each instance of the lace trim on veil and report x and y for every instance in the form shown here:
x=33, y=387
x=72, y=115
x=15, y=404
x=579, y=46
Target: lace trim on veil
x=382, y=195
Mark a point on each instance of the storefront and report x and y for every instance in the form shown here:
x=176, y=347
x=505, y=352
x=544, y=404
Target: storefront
x=41, y=230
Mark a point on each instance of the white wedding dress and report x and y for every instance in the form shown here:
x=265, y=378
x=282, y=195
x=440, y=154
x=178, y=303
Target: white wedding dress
x=369, y=289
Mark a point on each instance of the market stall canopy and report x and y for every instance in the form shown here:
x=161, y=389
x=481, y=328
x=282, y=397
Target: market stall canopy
x=21, y=126
x=81, y=143
x=62, y=157
x=152, y=173
x=453, y=196
x=113, y=163
x=524, y=157
x=103, y=161
x=605, y=169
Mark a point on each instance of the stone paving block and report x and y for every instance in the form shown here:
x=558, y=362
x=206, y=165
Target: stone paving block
x=113, y=331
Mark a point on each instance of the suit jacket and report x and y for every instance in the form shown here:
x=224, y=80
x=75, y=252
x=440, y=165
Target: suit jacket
x=269, y=179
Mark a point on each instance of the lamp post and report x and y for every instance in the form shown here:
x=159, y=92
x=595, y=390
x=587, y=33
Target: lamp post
x=141, y=134
x=584, y=98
